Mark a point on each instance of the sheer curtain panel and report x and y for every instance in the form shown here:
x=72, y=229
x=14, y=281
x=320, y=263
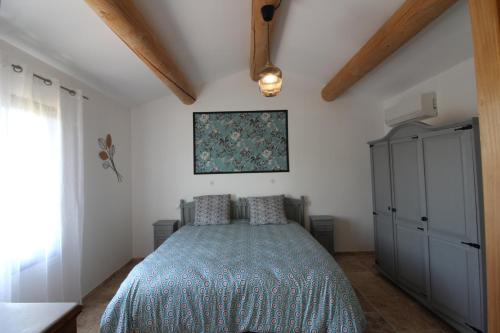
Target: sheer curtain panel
x=41, y=188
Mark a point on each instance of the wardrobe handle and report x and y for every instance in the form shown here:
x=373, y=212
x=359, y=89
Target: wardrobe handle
x=394, y=210
x=424, y=218
x=420, y=228
x=388, y=207
x=474, y=245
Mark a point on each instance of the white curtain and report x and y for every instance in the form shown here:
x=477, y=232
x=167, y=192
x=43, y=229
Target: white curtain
x=41, y=188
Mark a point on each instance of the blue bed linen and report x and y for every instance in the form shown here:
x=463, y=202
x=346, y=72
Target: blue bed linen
x=236, y=278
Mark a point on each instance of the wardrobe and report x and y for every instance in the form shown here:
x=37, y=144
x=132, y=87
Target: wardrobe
x=427, y=212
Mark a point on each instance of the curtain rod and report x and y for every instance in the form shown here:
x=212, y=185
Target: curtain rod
x=47, y=82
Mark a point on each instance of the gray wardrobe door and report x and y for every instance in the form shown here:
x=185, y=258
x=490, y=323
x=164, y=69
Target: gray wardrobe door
x=381, y=178
x=411, y=240
x=384, y=243
x=452, y=212
x=383, y=225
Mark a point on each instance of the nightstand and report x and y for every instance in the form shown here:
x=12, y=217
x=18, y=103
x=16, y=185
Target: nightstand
x=322, y=230
x=163, y=229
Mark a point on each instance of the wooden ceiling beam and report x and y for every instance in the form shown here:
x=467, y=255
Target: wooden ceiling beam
x=258, y=41
x=403, y=25
x=126, y=21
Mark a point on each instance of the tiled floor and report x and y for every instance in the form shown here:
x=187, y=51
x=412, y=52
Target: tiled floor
x=95, y=303
x=387, y=308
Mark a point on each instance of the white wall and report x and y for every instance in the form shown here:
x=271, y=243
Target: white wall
x=108, y=223
x=107, y=238
x=456, y=94
x=329, y=158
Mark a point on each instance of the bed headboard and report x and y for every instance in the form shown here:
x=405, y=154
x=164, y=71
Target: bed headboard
x=294, y=210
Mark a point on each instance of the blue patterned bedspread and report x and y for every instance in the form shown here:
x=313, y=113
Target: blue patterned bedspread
x=236, y=278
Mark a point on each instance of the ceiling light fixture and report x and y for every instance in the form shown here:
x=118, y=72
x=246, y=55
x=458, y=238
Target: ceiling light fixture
x=270, y=77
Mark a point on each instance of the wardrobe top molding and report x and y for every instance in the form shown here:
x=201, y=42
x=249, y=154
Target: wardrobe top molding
x=417, y=127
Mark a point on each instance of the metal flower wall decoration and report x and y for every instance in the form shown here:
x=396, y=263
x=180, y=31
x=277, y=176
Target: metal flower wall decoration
x=107, y=155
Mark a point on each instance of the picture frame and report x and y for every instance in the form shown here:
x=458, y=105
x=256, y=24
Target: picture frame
x=226, y=142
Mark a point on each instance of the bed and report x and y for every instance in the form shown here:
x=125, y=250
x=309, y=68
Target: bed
x=236, y=278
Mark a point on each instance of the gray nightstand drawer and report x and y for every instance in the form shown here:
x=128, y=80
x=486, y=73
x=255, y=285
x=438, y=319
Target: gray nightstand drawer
x=322, y=229
x=325, y=239
x=159, y=241
x=162, y=230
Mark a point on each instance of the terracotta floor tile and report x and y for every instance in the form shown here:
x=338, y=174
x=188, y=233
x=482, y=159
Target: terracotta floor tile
x=348, y=263
x=370, y=284
x=432, y=330
x=403, y=316
x=365, y=305
x=90, y=317
x=377, y=324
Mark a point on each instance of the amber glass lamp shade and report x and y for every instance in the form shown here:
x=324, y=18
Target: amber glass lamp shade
x=270, y=80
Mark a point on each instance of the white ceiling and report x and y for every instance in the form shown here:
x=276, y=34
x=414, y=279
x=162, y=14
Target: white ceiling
x=210, y=40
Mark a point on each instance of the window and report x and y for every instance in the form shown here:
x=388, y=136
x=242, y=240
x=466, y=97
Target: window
x=41, y=188
x=31, y=186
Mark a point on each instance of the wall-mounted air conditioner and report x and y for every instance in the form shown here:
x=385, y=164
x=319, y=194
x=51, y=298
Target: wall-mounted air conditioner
x=412, y=108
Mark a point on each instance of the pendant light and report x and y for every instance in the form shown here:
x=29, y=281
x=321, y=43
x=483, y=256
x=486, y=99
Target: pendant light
x=270, y=78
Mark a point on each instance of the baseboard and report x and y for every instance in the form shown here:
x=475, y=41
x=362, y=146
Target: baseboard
x=133, y=261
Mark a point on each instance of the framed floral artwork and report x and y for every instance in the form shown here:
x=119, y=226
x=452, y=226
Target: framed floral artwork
x=240, y=142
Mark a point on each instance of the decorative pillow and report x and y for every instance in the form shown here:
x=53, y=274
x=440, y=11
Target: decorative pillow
x=212, y=209
x=267, y=210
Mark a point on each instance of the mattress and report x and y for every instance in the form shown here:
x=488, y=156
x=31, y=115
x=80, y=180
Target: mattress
x=236, y=278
